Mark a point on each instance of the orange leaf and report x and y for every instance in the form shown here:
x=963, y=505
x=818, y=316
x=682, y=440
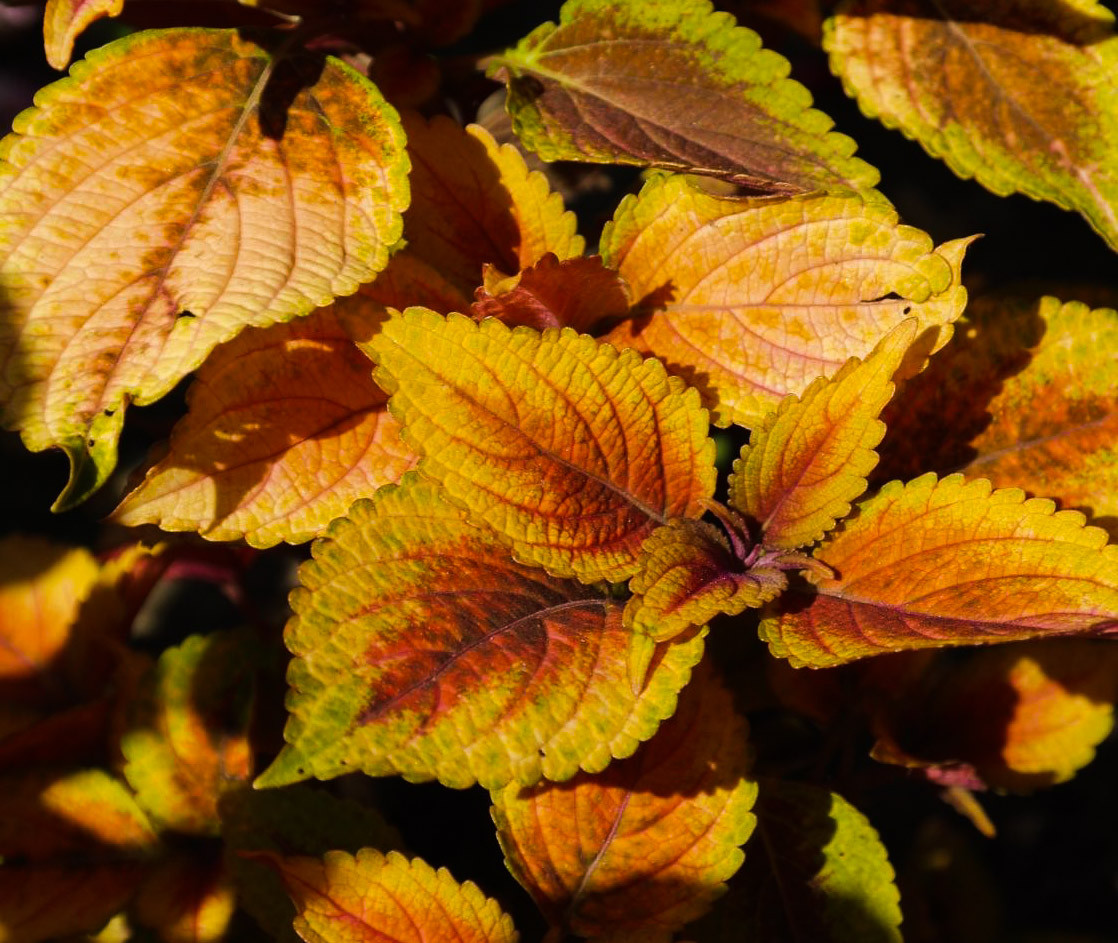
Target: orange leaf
x=374, y=897
x=160, y=200
x=578, y=293
x=808, y=460
x=1022, y=716
x=687, y=576
x=643, y=847
x=750, y=301
x=421, y=648
x=286, y=429
x=65, y=20
x=936, y=563
x=1023, y=395
x=187, y=740
x=573, y=452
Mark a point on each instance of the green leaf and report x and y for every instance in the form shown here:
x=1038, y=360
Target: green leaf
x=1021, y=96
x=816, y=872
x=422, y=649
x=672, y=84
x=161, y=199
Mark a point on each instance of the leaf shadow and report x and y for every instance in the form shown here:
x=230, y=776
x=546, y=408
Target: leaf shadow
x=1059, y=18
x=935, y=415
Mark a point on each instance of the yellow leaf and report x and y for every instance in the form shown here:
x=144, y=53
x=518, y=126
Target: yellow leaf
x=808, y=460
x=65, y=20
x=951, y=562
x=752, y=300
x=572, y=452
x=158, y=201
x=285, y=430
x=373, y=897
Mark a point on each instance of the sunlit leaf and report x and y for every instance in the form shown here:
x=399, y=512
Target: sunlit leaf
x=672, y=84
x=750, y=301
x=808, y=460
x=65, y=20
x=187, y=742
x=645, y=846
x=187, y=899
x=1021, y=96
x=286, y=429
x=936, y=563
x=374, y=897
x=1026, y=394
x=572, y=452
x=578, y=293
x=161, y=199
x=72, y=852
x=421, y=648
x=816, y=871
x=687, y=576
x=296, y=820
x=1021, y=716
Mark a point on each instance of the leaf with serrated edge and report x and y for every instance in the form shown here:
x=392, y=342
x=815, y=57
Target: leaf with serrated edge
x=1022, y=716
x=1021, y=96
x=577, y=293
x=150, y=210
x=572, y=452
x=422, y=649
x=285, y=430
x=672, y=84
x=808, y=460
x=750, y=301
x=187, y=739
x=72, y=852
x=949, y=562
x=372, y=896
x=1026, y=394
x=688, y=576
x=816, y=870
x=65, y=20
x=645, y=846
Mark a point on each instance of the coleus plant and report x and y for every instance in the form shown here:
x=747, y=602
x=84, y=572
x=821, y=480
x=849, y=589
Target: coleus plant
x=504, y=447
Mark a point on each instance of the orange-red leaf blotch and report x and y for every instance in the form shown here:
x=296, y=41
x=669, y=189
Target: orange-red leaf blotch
x=750, y=301
x=808, y=460
x=285, y=430
x=645, y=846
x=578, y=293
x=949, y=562
x=65, y=20
x=571, y=451
x=372, y=898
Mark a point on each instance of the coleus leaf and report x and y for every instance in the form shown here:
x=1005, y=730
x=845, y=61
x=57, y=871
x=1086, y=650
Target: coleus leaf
x=572, y=452
x=672, y=84
x=73, y=849
x=371, y=897
x=816, y=872
x=421, y=648
x=1021, y=96
x=639, y=850
x=187, y=740
x=688, y=575
x=1022, y=396
x=1020, y=716
x=285, y=430
x=579, y=293
x=808, y=459
x=65, y=20
x=140, y=203
x=187, y=898
x=948, y=562
x=752, y=300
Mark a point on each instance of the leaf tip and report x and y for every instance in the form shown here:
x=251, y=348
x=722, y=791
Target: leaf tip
x=286, y=769
x=641, y=649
